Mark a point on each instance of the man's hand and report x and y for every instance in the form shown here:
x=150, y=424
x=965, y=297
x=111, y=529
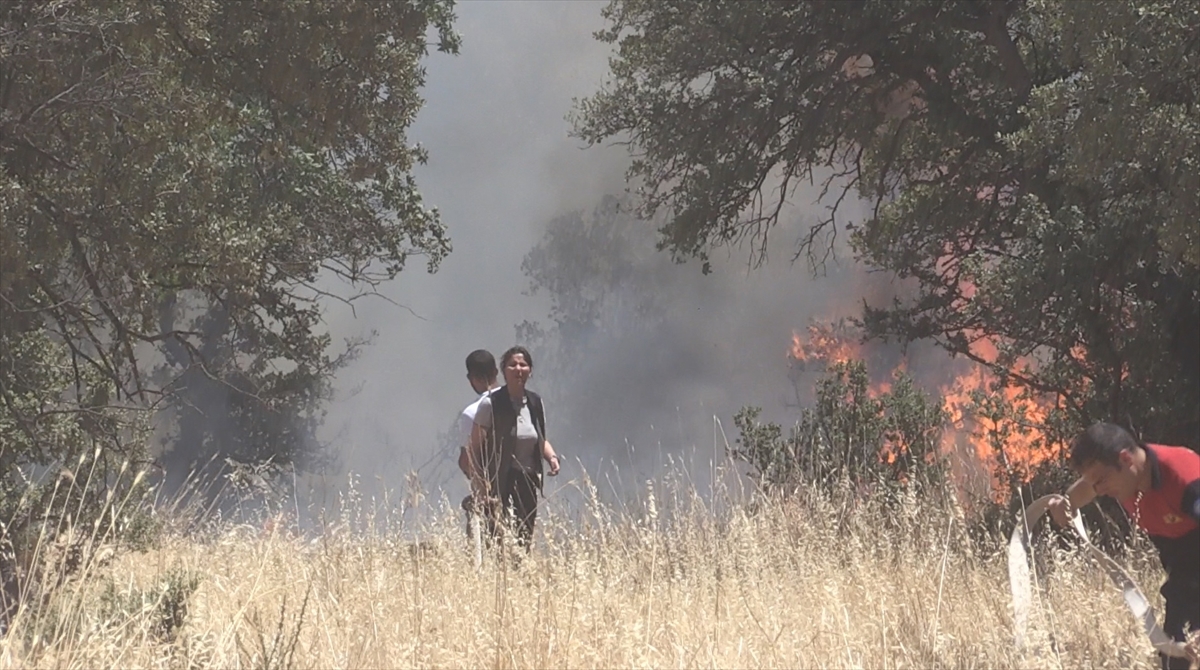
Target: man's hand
x=1060, y=511
x=554, y=466
x=480, y=503
x=1193, y=648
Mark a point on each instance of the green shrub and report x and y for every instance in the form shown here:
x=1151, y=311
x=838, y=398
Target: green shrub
x=165, y=603
x=849, y=434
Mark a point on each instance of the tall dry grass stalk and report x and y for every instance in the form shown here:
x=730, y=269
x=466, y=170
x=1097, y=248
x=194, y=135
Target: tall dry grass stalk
x=807, y=582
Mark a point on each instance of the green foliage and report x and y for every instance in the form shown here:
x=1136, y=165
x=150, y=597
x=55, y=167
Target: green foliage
x=181, y=184
x=66, y=524
x=595, y=268
x=610, y=296
x=847, y=435
x=1033, y=165
x=141, y=529
x=165, y=603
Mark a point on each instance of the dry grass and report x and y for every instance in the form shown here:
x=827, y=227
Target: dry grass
x=808, y=583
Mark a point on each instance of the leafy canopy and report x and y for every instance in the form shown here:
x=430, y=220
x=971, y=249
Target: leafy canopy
x=1032, y=166
x=180, y=184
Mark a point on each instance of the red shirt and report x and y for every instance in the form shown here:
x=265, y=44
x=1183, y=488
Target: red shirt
x=1168, y=509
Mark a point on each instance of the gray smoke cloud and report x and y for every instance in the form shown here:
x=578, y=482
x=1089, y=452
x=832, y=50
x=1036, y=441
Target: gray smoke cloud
x=501, y=166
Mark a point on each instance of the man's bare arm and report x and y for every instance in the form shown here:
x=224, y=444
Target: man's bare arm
x=464, y=463
x=475, y=465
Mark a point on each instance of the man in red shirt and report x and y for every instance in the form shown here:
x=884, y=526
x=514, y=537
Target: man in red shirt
x=1159, y=488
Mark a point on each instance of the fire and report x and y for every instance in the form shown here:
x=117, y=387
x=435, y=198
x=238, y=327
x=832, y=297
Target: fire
x=825, y=344
x=997, y=422
x=1006, y=430
x=884, y=387
x=834, y=343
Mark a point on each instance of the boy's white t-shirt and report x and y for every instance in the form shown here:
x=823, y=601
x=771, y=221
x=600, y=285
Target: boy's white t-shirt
x=466, y=420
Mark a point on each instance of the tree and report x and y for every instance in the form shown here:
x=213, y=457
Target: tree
x=1032, y=164
x=181, y=184
x=594, y=268
x=606, y=287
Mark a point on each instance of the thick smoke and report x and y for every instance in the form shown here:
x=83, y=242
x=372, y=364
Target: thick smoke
x=501, y=167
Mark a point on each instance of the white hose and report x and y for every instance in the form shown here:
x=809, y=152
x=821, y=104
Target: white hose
x=1019, y=581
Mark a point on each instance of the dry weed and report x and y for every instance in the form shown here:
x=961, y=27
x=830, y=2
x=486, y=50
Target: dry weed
x=802, y=583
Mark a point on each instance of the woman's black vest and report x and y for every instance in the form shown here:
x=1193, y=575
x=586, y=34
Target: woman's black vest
x=500, y=450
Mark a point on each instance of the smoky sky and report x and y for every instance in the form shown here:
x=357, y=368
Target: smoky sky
x=502, y=164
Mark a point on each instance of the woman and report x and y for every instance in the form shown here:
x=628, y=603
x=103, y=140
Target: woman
x=508, y=445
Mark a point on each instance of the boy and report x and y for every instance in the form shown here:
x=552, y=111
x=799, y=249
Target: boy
x=481, y=375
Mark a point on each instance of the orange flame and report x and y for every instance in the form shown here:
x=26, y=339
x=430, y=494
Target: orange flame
x=884, y=387
x=823, y=344
x=1020, y=426
x=1020, y=429
x=833, y=344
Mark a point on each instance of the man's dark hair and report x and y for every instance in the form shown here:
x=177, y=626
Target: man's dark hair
x=1101, y=443
x=481, y=364
x=513, y=351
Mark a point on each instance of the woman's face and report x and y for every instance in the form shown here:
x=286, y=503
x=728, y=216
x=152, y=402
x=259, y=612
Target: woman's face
x=517, y=370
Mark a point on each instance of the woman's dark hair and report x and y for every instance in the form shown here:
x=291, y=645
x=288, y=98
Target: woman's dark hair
x=1101, y=443
x=481, y=364
x=513, y=351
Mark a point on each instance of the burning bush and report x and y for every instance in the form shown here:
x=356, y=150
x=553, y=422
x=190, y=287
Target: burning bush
x=852, y=433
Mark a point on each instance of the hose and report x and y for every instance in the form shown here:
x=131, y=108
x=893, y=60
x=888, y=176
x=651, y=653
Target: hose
x=1019, y=581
